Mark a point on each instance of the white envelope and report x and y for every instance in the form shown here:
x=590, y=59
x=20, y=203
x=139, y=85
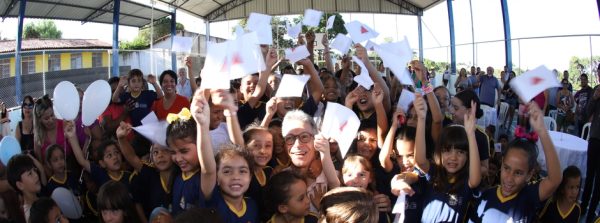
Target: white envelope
x=330, y=22
x=341, y=43
x=255, y=20
x=363, y=79
x=406, y=98
x=312, y=17
x=341, y=124
x=182, y=44
x=360, y=32
x=296, y=54
x=533, y=82
x=292, y=85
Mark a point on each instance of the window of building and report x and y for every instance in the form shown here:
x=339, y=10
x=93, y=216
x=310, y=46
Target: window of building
x=5, y=67
x=54, y=62
x=27, y=64
x=96, y=59
x=76, y=61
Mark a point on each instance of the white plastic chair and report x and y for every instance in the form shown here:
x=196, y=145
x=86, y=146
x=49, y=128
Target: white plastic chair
x=550, y=123
x=503, y=112
x=553, y=113
x=585, y=133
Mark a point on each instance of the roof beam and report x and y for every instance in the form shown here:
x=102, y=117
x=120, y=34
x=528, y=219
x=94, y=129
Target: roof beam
x=10, y=7
x=95, y=14
x=407, y=6
x=224, y=8
x=171, y=3
x=85, y=7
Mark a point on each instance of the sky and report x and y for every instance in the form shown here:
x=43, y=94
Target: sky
x=529, y=18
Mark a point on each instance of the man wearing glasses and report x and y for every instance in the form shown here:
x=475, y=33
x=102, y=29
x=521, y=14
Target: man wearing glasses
x=302, y=143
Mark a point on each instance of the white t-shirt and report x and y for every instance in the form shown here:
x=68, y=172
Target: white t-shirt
x=219, y=136
x=184, y=90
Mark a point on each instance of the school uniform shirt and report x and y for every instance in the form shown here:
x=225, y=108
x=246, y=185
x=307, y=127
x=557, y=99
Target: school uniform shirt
x=414, y=203
x=228, y=213
x=521, y=207
x=141, y=107
x=71, y=182
x=483, y=143
x=310, y=218
x=276, y=164
x=257, y=188
x=186, y=193
x=382, y=178
x=100, y=176
x=148, y=182
x=551, y=213
x=445, y=207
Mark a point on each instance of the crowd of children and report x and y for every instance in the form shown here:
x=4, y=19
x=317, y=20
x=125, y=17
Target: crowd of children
x=244, y=155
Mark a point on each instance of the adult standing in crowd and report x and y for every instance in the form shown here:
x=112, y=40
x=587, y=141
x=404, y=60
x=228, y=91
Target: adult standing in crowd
x=582, y=97
x=24, y=131
x=592, y=180
x=489, y=86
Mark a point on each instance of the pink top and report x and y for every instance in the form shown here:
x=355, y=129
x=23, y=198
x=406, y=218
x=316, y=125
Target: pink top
x=61, y=139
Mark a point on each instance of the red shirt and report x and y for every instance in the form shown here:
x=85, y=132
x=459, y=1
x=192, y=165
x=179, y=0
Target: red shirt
x=179, y=103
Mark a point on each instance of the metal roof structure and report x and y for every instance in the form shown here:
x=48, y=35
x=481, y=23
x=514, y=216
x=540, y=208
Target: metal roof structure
x=220, y=10
x=100, y=11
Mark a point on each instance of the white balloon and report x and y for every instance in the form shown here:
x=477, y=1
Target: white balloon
x=67, y=202
x=95, y=100
x=66, y=100
x=56, y=114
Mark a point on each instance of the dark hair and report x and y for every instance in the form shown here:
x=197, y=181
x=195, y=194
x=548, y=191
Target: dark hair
x=570, y=172
x=227, y=151
x=583, y=75
x=503, y=136
x=134, y=73
x=13, y=206
x=278, y=189
x=199, y=215
x=466, y=97
x=40, y=209
x=102, y=148
x=17, y=165
x=51, y=149
x=529, y=147
x=27, y=97
x=451, y=137
x=114, y=195
x=167, y=72
x=251, y=130
x=113, y=80
x=366, y=125
x=181, y=129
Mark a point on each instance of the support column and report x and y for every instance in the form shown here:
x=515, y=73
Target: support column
x=18, y=81
x=507, y=41
x=452, y=40
x=115, y=49
x=207, y=37
x=173, y=34
x=419, y=26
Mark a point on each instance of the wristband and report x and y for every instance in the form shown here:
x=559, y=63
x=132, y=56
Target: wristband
x=427, y=88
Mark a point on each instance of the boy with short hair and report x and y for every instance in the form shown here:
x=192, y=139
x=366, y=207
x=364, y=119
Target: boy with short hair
x=24, y=177
x=136, y=98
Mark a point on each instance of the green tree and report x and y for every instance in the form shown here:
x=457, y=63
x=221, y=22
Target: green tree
x=162, y=27
x=46, y=29
x=277, y=30
x=338, y=25
x=578, y=66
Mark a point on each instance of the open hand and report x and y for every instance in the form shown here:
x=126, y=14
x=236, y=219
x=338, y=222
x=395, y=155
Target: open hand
x=321, y=144
x=470, y=118
x=200, y=109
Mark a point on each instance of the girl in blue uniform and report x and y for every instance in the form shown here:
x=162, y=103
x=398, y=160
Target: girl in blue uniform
x=456, y=172
x=259, y=143
x=55, y=159
x=358, y=172
x=154, y=179
x=287, y=199
x=181, y=139
x=515, y=200
x=563, y=206
x=226, y=178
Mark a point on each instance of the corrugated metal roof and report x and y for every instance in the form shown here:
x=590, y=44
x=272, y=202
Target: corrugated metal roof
x=42, y=44
x=219, y=10
x=101, y=11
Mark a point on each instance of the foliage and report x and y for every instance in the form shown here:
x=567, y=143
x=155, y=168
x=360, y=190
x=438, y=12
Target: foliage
x=578, y=66
x=45, y=29
x=162, y=27
x=277, y=30
x=338, y=25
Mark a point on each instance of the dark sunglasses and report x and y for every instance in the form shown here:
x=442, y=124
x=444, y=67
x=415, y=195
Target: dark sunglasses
x=28, y=105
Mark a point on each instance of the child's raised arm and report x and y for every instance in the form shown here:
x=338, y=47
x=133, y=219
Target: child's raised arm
x=420, y=144
x=208, y=167
x=126, y=149
x=382, y=121
x=322, y=145
x=72, y=138
x=388, y=144
x=474, y=162
x=224, y=99
x=271, y=109
x=116, y=97
x=549, y=184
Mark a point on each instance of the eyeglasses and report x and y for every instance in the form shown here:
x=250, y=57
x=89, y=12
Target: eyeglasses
x=304, y=137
